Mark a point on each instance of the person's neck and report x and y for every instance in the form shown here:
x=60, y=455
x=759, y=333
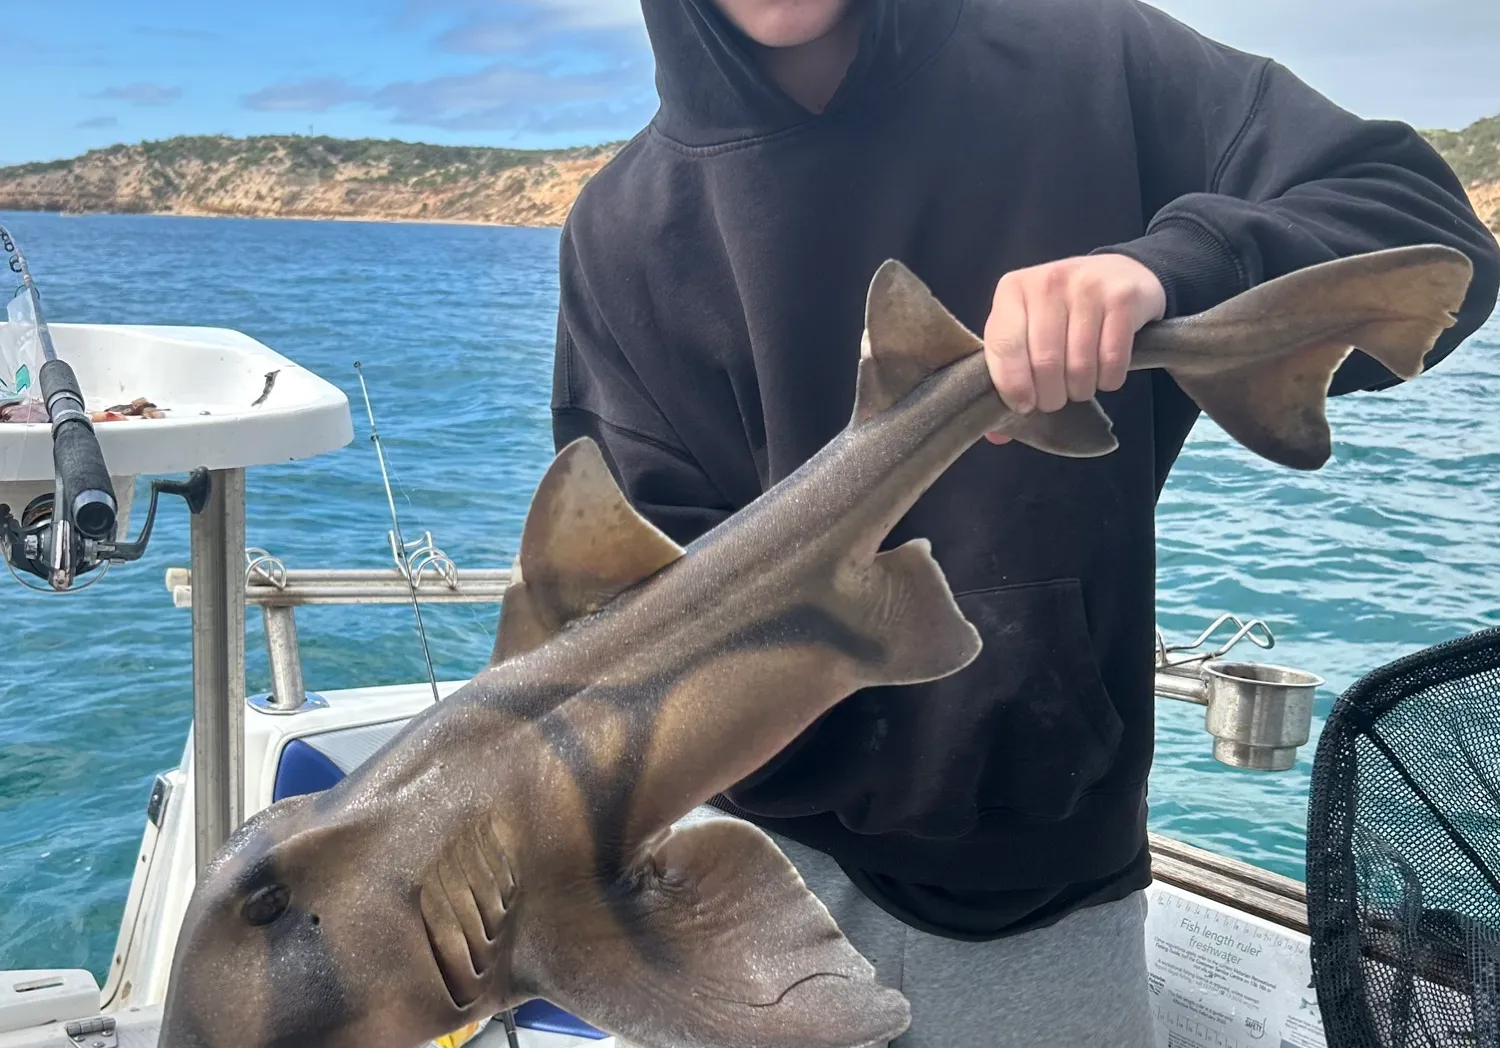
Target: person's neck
x=811, y=73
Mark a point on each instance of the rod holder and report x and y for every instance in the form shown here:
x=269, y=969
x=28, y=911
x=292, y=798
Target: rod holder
x=1259, y=715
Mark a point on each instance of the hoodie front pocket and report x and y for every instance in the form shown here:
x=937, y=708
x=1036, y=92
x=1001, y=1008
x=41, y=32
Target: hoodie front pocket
x=1048, y=730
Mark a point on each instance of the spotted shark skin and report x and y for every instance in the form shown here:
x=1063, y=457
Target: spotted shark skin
x=517, y=839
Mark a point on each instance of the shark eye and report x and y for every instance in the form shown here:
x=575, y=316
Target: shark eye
x=267, y=904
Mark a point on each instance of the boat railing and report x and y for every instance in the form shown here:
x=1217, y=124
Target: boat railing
x=278, y=592
x=1259, y=714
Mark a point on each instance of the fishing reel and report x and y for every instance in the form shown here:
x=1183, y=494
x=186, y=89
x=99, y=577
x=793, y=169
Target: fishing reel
x=59, y=549
x=69, y=532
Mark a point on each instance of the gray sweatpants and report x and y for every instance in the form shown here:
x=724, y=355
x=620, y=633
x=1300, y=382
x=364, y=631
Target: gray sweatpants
x=1080, y=983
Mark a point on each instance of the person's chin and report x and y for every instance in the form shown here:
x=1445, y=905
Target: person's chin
x=790, y=23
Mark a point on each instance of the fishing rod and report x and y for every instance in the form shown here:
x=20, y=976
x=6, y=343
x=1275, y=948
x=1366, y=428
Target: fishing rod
x=84, y=491
x=70, y=531
x=403, y=562
x=398, y=544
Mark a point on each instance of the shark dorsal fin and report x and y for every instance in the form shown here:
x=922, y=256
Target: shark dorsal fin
x=583, y=545
x=909, y=334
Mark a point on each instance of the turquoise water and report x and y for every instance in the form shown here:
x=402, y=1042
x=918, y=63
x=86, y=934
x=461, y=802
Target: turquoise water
x=1392, y=547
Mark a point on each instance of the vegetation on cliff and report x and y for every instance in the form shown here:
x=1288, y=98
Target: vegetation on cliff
x=1474, y=154
x=321, y=177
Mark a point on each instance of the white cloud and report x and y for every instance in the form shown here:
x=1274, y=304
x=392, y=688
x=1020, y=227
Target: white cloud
x=306, y=96
x=596, y=14
x=1428, y=62
x=506, y=97
x=573, y=14
x=141, y=94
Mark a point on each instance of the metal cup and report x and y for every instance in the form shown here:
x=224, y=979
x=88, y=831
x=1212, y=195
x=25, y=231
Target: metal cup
x=1258, y=714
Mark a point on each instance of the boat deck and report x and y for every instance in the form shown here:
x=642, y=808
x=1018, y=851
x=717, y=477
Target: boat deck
x=142, y=1029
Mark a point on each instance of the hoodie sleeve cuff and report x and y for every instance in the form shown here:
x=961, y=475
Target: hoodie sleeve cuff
x=1196, y=269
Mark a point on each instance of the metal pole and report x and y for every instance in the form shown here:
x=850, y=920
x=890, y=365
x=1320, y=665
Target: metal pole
x=287, y=690
x=267, y=596
x=1183, y=684
x=218, y=542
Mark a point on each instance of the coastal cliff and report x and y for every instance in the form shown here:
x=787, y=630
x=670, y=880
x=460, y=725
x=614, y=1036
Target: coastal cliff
x=294, y=176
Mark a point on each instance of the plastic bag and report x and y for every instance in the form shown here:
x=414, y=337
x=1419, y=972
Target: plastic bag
x=20, y=352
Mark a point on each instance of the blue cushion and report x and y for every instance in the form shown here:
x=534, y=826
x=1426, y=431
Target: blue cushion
x=548, y=1018
x=305, y=769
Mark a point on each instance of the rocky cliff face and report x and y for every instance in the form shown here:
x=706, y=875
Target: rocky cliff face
x=1486, y=199
x=303, y=177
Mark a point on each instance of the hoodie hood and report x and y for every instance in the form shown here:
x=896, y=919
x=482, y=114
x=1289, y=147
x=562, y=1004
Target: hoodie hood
x=713, y=91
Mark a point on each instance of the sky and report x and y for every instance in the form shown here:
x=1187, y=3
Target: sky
x=548, y=73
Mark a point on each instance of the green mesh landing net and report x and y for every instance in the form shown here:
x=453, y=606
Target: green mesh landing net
x=1403, y=854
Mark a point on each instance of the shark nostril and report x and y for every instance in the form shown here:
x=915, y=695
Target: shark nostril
x=266, y=905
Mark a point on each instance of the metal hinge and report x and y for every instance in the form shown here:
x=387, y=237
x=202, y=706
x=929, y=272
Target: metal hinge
x=161, y=793
x=98, y=1032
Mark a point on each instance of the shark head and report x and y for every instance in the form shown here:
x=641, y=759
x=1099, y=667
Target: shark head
x=309, y=929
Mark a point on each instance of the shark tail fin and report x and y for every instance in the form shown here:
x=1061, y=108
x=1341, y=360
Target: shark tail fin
x=1262, y=363
x=716, y=943
x=909, y=335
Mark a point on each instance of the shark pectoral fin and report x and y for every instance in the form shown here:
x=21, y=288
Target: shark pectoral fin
x=583, y=544
x=723, y=947
x=1261, y=364
x=909, y=334
x=904, y=604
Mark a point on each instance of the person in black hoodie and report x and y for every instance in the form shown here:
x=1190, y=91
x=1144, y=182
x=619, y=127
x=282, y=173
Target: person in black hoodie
x=1059, y=172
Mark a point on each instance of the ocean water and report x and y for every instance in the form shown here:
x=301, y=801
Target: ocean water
x=1392, y=547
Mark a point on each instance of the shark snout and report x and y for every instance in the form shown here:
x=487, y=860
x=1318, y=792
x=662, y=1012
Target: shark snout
x=316, y=935
x=277, y=966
